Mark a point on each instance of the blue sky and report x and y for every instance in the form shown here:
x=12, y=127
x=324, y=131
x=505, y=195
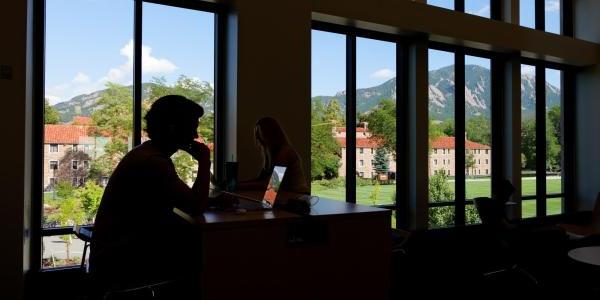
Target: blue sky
x=89, y=42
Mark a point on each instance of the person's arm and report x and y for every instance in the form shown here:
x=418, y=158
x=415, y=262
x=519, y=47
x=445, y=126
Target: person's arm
x=199, y=192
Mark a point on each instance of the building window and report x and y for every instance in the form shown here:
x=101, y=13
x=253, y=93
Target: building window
x=361, y=163
x=361, y=150
x=86, y=164
x=53, y=148
x=53, y=165
x=361, y=174
x=372, y=151
x=435, y=161
x=52, y=182
x=75, y=148
x=487, y=161
x=434, y=151
x=75, y=181
x=74, y=164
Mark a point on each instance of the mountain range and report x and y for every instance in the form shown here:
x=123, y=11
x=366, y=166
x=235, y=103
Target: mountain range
x=441, y=95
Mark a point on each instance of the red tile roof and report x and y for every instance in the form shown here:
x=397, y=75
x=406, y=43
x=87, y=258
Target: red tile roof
x=65, y=134
x=81, y=120
x=447, y=142
x=343, y=129
x=360, y=142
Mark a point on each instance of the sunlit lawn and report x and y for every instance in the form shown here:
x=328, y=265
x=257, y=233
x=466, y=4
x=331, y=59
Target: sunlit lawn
x=474, y=188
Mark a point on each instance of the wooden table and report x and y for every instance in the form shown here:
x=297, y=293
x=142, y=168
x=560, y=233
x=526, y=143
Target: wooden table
x=339, y=251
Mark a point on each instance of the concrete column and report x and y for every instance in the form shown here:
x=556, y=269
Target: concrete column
x=418, y=134
x=512, y=130
x=271, y=77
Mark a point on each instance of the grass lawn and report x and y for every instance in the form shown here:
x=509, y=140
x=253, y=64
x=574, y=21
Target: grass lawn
x=474, y=188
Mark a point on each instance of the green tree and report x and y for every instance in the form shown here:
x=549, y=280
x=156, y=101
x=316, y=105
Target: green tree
x=325, y=150
x=70, y=212
x=90, y=196
x=440, y=191
x=528, y=146
x=114, y=119
x=469, y=162
x=553, y=139
x=51, y=115
x=381, y=161
x=64, y=189
x=374, y=196
x=447, y=127
x=382, y=124
x=479, y=130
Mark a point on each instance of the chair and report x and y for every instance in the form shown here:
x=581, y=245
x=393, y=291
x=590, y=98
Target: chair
x=579, y=231
x=83, y=233
x=503, y=236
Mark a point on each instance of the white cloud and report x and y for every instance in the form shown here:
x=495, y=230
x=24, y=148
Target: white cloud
x=527, y=69
x=552, y=6
x=484, y=11
x=383, y=74
x=81, y=78
x=122, y=74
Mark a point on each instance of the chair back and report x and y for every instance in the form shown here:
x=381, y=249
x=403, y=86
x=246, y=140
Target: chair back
x=491, y=212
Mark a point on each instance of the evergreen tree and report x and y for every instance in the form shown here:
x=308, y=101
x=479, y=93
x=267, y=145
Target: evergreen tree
x=381, y=161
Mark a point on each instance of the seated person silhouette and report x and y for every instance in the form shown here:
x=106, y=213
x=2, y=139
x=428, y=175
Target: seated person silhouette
x=276, y=151
x=137, y=238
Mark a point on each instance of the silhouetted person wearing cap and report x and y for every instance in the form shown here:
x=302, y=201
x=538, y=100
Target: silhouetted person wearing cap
x=137, y=238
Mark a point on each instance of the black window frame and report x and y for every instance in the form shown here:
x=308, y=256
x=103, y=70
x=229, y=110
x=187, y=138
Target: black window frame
x=38, y=62
x=460, y=202
x=401, y=205
x=567, y=133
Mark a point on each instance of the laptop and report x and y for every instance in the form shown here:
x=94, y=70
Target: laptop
x=270, y=195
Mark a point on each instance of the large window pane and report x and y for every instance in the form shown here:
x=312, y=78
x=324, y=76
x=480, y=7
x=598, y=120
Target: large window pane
x=328, y=115
x=62, y=251
x=449, y=4
x=554, y=183
x=528, y=137
x=442, y=156
x=478, y=7
x=376, y=114
x=88, y=111
x=478, y=129
x=527, y=13
x=180, y=64
x=552, y=16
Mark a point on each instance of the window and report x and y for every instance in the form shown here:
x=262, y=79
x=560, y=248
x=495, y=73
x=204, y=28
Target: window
x=182, y=63
x=527, y=13
x=362, y=163
x=53, y=165
x=541, y=141
x=448, y=4
x=478, y=7
x=552, y=16
x=441, y=132
x=372, y=163
x=339, y=79
x=362, y=174
x=435, y=161
x=328, y=151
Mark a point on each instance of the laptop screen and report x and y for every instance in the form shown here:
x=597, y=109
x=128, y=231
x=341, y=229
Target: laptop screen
x=274, y=184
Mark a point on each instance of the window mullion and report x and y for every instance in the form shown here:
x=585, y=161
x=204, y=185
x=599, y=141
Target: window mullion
x=137, y=73
x=540, y=120
x=459, y=136
x=351, y=118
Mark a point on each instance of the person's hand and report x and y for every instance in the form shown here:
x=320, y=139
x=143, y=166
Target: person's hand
x=198, y=151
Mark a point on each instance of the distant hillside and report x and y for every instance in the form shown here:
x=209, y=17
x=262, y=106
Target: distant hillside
x=86, y=104
x=441, y=93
